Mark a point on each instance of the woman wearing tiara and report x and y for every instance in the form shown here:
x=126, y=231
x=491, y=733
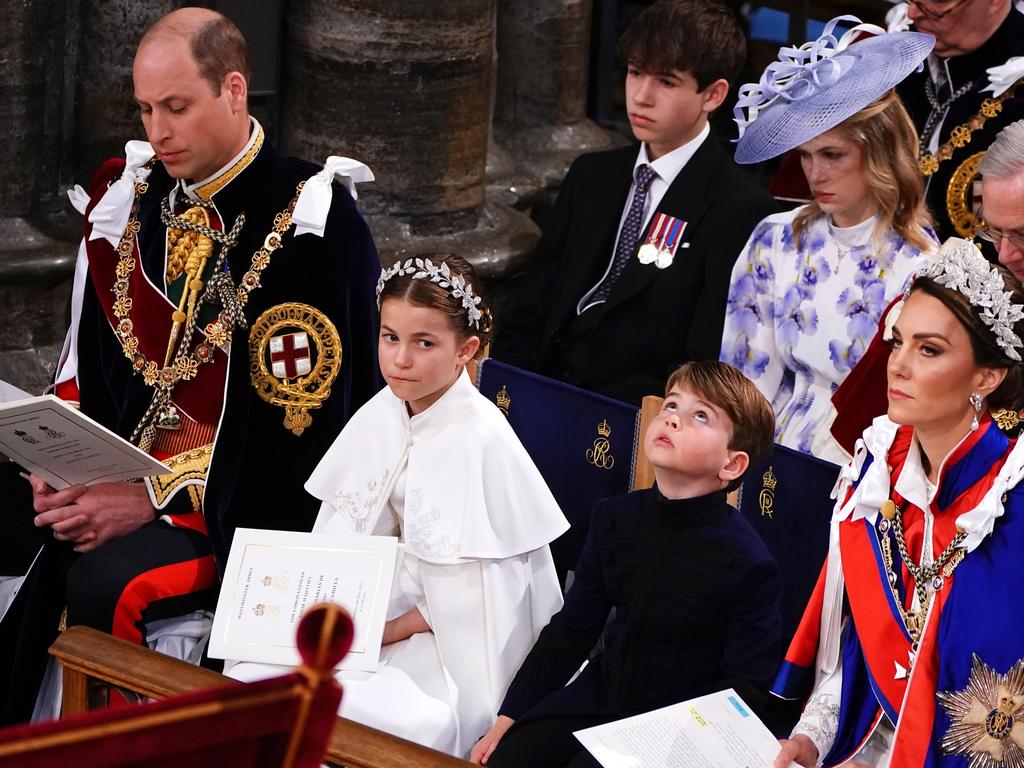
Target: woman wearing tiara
x=432, y=461
x=912, y=641
x=808, y=290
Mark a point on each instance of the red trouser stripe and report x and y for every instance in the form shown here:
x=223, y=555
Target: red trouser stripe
x=156, y=584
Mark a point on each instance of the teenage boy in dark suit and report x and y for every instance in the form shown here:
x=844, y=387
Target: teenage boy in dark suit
x=589, y=311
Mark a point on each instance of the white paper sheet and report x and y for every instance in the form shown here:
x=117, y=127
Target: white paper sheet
x=65, y=447
x=9, y=393
x=273, y=576
x=714, y=731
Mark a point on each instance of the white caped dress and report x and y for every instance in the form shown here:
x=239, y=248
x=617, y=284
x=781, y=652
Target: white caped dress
x=475, y=518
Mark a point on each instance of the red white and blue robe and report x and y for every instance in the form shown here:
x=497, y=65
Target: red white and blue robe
x=853, y=623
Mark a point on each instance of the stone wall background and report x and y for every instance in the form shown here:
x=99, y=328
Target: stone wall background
x=469, y=112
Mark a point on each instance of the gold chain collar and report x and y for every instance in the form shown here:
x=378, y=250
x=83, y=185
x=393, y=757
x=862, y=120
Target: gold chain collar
x=961, y=135
x=185, y=365
x=933, y=575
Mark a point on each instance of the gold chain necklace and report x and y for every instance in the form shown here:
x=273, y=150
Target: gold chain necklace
x=185, y=365
x=961, y=135
x=934, y=574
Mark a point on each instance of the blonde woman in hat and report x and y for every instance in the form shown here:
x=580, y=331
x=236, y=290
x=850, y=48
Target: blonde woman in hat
x=809, y=288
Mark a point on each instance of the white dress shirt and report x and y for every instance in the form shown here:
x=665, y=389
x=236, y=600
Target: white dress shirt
x=666, y=168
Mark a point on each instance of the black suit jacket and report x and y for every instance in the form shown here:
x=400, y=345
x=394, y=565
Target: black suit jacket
x=654, y=319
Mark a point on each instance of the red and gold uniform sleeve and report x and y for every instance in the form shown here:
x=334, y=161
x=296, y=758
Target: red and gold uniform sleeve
x=178, y=497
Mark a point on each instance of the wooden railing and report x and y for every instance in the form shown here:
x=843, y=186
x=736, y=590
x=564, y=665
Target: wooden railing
x=94, y=662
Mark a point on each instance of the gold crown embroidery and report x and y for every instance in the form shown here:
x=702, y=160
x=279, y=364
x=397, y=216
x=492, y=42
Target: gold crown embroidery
x=600, y=453
x=766, y=499
x=503, y=400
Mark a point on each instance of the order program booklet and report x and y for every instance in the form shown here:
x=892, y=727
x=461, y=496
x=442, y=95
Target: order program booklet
x=64, y=447
x=272, y=577
x=714, y=731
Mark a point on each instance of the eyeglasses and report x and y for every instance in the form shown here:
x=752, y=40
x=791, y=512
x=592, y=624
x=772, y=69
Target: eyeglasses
x=995, y=236
x=927, y=8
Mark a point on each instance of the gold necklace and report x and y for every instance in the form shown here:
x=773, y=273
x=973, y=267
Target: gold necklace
x=961, y=135
x=185, y=364
x=934, y=574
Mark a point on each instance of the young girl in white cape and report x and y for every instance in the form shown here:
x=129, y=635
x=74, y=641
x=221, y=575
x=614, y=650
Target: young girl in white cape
x=430, y=460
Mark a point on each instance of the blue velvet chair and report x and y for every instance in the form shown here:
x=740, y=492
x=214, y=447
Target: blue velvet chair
x=787, y=498
x=582, y=443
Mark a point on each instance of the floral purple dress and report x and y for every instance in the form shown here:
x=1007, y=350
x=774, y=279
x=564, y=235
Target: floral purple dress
x=799, y=319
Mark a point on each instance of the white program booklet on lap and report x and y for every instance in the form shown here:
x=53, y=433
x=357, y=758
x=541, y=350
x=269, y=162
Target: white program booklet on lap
x=714, y=731
x=64, y=447
x=272, y=577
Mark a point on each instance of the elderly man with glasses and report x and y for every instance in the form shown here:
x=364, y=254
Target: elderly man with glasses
x=971, y=87
x=1002, y=171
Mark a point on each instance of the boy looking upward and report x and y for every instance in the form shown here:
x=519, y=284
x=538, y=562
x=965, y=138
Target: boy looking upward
x=695, y=591
x=631, y=275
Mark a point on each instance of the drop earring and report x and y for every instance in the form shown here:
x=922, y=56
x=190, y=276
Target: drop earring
x=975, y=401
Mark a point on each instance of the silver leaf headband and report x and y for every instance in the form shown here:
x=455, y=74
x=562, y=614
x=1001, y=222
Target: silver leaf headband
x=960, y=266
x=424, y=269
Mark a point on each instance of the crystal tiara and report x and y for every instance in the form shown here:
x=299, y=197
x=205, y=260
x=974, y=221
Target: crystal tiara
x=960, y=266
x=441, y=274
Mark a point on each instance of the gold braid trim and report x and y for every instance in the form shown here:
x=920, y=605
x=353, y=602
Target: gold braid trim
x=188, y=466
x=207, y=191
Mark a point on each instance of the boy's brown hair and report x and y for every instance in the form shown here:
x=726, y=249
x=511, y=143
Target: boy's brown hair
x=702, y=37
x=722, y=385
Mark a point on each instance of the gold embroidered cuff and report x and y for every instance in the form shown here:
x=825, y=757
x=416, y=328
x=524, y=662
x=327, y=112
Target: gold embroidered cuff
x=188, y=471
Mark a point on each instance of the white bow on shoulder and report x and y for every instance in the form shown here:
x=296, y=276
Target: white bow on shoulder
x=314, y=203
x=110, y=216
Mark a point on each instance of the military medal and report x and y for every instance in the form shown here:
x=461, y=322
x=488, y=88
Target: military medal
x=667, y=253
x=648, y=253
x=662, y=241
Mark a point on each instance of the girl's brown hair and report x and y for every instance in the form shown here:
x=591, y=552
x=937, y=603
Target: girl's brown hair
x=423, y=292
x=987, y=353
x=886, y=136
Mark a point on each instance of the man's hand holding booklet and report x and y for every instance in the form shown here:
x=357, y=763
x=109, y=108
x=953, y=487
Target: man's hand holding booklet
x=63, y=446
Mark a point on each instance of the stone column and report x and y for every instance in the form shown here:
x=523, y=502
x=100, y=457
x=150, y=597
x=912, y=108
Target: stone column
x=22, y=51
x=107, y=116
x=34, y=266
x=405, y=86
x=540, y=109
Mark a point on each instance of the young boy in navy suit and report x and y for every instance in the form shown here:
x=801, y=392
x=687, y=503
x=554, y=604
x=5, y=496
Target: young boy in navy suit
x=631, y=276
x=695, y=590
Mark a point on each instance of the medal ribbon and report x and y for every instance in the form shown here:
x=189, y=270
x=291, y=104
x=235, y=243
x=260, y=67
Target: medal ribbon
x=672, y=238
x=657, y=231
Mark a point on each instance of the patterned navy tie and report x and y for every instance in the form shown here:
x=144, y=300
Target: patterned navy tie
x=630, y=234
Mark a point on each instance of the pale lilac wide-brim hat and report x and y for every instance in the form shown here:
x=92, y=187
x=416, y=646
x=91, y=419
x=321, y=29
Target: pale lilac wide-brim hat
x=813, y=88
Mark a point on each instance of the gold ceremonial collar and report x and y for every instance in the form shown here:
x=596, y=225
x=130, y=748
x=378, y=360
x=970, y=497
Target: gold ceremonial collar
x=214, y=183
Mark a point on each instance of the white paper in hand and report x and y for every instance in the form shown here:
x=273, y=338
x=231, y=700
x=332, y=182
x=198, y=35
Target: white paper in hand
x=714, y=731
x=65, y=447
